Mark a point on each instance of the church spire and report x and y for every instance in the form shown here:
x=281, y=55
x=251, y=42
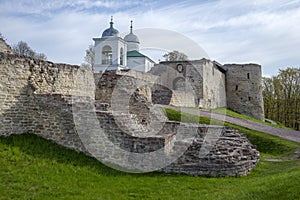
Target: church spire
x=111, y=21
x=131, y=26
x=110, y=31
x=132, y=40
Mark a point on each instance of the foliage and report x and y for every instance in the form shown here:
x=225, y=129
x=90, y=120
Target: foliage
x=22, y=48
x=175, y=56
x=282, y=97
x=89, y=58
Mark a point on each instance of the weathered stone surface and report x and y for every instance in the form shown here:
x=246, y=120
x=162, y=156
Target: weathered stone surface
x=231, y=155
x=45, y=98
x=198, y=83
x=5, y=48
x=244, y=90
x=36, y=95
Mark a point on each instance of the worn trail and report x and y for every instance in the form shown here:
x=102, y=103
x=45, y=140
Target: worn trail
x=283, y=133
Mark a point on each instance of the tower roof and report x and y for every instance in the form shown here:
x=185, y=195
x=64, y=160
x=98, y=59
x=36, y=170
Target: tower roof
x=111, y=31
x=131, y=37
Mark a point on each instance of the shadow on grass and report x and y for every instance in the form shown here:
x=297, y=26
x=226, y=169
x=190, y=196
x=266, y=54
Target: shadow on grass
x=41, y=148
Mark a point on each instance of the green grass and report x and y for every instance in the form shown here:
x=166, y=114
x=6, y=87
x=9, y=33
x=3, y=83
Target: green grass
x=232, y=113
x=241, y=116
x=34, y=168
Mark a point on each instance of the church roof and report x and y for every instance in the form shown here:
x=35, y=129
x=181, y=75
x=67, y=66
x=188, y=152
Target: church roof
x=111, y=31
x=131, y=37
x=137, y=54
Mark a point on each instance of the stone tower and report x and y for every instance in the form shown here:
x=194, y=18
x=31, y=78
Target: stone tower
x=244, y=90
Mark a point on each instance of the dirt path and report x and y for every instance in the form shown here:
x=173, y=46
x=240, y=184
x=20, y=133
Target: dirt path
x=283, y=133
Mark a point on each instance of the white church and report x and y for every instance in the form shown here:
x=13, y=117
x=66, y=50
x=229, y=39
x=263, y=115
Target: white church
x=112, y=52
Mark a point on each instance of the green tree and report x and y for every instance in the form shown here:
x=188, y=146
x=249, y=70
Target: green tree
x=268, y=94
x=175, y=56
x=40, y=56
x=282, y=97
x=23, y=49
x=89, y=58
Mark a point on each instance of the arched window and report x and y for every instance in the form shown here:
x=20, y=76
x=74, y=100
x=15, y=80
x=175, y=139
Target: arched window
x=121, y=56
x=179, y=84
x=106, y=55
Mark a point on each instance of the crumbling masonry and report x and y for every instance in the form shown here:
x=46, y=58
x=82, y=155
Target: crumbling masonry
x=41, y=97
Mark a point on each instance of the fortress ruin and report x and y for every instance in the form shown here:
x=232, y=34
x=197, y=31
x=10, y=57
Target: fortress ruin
x=41, y=97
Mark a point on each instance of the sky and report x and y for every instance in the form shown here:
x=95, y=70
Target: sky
x=266, y=32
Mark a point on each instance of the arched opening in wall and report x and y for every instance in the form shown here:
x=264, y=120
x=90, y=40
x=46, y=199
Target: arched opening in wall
x=179, y=84
x=121, y=56
x=248, y=75
x=107, y=55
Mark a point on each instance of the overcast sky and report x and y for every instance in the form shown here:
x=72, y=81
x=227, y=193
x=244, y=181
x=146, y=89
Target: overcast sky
x=266, y=32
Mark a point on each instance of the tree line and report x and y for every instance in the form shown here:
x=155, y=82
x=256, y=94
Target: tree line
x=282, y=97
x=23, y=49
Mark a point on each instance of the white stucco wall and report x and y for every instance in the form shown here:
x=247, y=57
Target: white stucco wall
x=148, y=65
x=116, y=43
x=136, y=63
x=142, y=64
x=133, y=46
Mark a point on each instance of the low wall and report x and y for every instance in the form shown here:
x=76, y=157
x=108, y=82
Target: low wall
x=215, y=151
x=35, y=96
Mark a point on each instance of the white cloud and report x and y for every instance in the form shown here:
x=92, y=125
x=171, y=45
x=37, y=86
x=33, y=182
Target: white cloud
x=264, y=31
x=46, y=8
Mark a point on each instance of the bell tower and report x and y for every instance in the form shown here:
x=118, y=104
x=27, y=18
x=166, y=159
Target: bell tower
x=110, y=50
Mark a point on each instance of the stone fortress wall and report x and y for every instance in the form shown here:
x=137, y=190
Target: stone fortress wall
x=173, y=87
x=198, y=83
x=214, y=92
x=35, y=97
x=244, y=89
x=4, y=47
x=47, y=98
x=206, y=84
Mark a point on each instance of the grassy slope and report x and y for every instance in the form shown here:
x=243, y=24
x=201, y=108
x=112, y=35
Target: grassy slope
x=270, y=145
x=33, y=168
x=235, y=114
